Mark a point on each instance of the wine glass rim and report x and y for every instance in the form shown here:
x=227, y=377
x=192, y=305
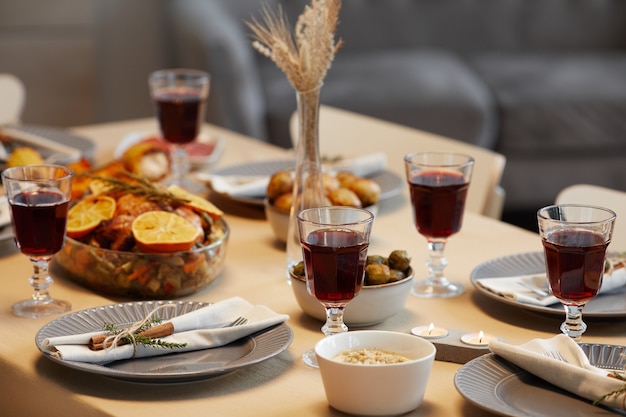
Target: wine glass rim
x=367, y=215
x=611, y=215
x=173, y=72
x=461, y=159
x=7, y=173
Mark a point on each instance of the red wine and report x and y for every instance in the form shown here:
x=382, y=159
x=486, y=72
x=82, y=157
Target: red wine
x=39, y=220
x=575, y=262
x=335, y=264
x=180, y=113
x=438, y=199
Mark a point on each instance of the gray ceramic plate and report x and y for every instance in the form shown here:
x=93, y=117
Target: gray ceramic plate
x=496, y=385
x=390, y=183
x=612, y=305
x=171, y=368
x=67, y=146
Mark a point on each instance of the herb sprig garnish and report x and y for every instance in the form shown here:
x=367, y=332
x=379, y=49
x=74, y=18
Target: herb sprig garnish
x=616, y=392
x=137, y=338
x=139, y=186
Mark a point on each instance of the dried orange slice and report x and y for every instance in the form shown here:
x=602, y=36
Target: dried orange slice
x=196, y=202
x=163, y=231
x=87, y=214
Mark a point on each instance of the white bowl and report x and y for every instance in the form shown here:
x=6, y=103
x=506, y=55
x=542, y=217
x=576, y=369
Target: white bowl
x=375, y=390
x=374, y=304
x=279, y=220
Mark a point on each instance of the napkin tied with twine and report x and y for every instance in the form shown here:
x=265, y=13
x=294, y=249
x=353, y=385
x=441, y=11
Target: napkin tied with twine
x=576, y=375
x=195, y=329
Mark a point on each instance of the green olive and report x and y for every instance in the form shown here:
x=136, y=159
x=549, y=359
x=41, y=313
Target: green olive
x=376, y=259
x=376, y=274
x=400, y=260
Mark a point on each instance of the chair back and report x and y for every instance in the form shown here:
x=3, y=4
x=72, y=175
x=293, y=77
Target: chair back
x=604, y=197
x=12, y=97
x=344, y=133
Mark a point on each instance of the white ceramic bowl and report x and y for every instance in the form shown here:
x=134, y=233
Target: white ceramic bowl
x=375, y=390
x=279, y=220
x=374, y=304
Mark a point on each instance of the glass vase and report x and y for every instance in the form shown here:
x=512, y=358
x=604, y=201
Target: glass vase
x=308, y=188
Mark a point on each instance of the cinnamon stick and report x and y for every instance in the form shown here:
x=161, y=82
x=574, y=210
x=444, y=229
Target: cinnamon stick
x=162, y=330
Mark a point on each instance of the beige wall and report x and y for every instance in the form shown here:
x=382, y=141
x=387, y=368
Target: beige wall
x=81, y=61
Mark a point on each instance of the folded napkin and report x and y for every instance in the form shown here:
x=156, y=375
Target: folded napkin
x=5, y=216
x=196, y=329
x=533, y=289
x=256, y=185
x=576, y=375
x=362, y=166
x=253, y=186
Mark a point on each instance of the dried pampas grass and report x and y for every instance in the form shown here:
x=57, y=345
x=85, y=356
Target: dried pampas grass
x=306, y=55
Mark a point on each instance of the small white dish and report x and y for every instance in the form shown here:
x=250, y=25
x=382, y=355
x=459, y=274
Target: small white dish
x=373, y=305
x=375, y=390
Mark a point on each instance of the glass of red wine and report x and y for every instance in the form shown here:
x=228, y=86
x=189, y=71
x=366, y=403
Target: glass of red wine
x=438, y=183
x=39, y=196
x=575, y=238
x=334, y=247
x=180, y=97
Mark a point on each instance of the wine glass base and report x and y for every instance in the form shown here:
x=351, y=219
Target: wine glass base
x=34, y=309
x=428, y=289
x=310, y=358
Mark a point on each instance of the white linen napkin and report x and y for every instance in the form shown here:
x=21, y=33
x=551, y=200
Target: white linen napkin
x=5, y=215
x=362, y=166
x=256, y=185
x=528, y=289
x=195, y=328
x=576, y=375
x=236, y=185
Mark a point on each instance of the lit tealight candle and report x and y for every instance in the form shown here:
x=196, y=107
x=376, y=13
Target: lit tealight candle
x=480, y=339
x=429, y=332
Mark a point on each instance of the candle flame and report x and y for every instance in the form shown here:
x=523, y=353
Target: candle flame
x=481, y=335
x=431, y=327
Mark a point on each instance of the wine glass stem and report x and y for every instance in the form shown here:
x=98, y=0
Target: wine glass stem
x=180, y=164
x=573, y=326
x=40, y=281
x=334, y=321
x=437, y=262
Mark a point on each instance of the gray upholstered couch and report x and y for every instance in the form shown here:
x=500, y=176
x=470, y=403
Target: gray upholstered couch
x=541, y=81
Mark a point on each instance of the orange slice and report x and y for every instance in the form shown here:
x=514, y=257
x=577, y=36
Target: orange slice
x=196, y=202
x=87, y=214
x=163, y=231
x=24, y=155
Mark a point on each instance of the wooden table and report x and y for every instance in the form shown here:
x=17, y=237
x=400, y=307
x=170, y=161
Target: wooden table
x=283, y=386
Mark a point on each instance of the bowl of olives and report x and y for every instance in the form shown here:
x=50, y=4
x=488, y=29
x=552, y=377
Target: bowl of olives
x=386, y=287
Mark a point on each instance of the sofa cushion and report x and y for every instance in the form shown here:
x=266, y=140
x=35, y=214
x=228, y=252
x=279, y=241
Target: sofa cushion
x=427, y=89
x=558, y=104
x=562, y=122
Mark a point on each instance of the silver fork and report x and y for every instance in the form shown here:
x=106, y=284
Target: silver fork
x=554, y=354
x=239, y=321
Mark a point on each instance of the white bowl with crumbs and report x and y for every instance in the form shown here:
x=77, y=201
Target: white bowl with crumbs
x=391, y=368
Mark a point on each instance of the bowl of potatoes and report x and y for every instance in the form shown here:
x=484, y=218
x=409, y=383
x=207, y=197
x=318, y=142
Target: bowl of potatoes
x=341, y=189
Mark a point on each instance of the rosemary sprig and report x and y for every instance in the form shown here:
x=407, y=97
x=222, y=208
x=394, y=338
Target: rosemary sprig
x=140, y=186
x=616, y=392
x=137, y=338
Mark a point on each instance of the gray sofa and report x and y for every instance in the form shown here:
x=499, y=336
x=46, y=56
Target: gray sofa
x=541, y=81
